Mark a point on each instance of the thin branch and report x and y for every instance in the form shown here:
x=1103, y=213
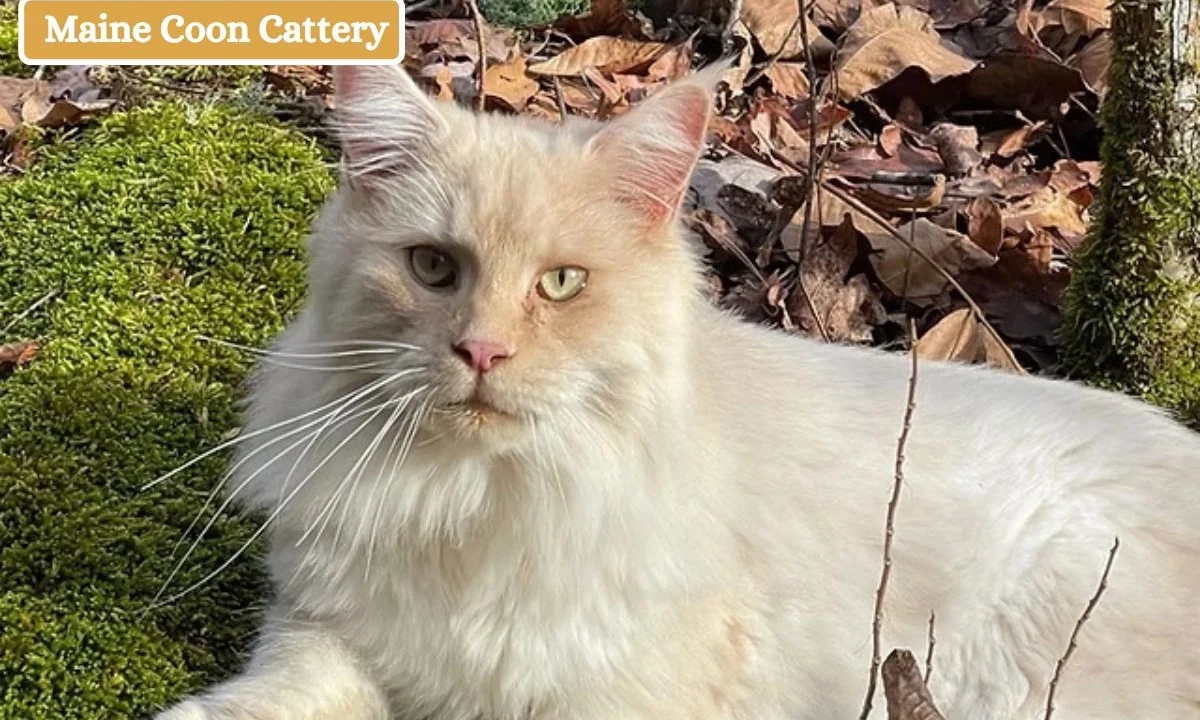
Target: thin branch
x=929, y=644
x=477, y=18
x=558, y=96
x=1087, y=613
x=29, y=310
x=757, y=74
x=879, y=220
x=813, y=170
x=890, y=528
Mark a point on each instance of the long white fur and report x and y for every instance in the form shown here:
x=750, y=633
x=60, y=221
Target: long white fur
x=686, y=522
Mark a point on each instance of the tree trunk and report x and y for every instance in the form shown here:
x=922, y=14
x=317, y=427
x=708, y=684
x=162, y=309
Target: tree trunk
x=1132, y=314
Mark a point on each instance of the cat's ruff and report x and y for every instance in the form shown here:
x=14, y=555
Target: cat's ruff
x=671, y=513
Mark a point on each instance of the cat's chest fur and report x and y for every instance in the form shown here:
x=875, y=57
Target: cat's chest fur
x=534, y=591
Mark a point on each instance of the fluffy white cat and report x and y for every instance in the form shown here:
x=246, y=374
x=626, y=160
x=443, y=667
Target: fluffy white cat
x=548, y=480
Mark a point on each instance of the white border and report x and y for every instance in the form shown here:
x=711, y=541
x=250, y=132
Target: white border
x=177, y=61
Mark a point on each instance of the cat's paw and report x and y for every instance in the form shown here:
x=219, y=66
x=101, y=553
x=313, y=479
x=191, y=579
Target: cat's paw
x=186, y=710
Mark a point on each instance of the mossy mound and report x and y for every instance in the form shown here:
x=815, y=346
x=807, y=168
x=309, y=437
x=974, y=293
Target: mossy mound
x=159, y=225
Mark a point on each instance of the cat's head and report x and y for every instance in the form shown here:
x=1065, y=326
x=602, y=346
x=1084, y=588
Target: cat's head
x=537, y=268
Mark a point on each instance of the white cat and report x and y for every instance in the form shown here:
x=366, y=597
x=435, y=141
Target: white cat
x=548, y=480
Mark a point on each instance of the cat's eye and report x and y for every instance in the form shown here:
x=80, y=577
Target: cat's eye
x=562, y=283
x=433, y=268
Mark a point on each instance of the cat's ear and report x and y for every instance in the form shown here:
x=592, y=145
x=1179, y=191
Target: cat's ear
x=653, y=148
x=384, y=121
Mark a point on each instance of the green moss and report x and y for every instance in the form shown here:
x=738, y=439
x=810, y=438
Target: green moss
x=10, y=61
x=158, y=225
x=1132, y=313
x=527, y=13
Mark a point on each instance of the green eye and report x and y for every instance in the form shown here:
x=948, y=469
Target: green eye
x=433, y=268
x=562, y=283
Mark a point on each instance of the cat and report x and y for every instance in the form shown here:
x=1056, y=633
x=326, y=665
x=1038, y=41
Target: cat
x=515, y=466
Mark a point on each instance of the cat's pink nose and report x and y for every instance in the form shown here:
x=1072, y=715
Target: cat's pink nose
x=481, y=355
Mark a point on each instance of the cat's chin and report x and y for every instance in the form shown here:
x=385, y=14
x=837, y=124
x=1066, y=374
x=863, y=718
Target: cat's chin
x=478, y=420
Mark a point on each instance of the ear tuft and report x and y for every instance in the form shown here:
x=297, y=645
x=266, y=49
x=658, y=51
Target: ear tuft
x=653, y=148
x=384, y=121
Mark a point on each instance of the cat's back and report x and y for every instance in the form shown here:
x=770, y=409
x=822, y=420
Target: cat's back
x=769, y=387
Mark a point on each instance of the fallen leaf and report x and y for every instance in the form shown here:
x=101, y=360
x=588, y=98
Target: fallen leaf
x=1093, y=62
x=890, y=138
x=960, y=337
x=510, y=84
x=1008, y=144
x=788, y=79
x=17, y=355
x=1046, y=208
x=985, y=224
x=671, y=65
x=775, y=25
x=1078, y=17
x=845, y=305
x=905, y=691
x=299, y=79
x=1020, y=300
x=910, y=277
x=1036, y=86
x=606, y=54
x=886, y=41
x=957, y=145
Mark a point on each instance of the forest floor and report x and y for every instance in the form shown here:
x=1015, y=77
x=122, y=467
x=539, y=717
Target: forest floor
x=141, y=208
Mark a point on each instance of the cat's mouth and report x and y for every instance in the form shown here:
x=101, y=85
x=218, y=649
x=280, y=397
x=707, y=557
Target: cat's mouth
x=477, y=405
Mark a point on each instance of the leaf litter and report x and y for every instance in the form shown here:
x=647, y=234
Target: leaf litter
x=967, y=127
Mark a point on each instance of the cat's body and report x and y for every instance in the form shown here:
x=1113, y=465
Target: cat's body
x=682, y=515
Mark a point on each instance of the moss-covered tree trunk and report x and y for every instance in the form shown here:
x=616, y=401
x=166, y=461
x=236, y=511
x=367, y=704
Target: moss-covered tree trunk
x=1132, y=316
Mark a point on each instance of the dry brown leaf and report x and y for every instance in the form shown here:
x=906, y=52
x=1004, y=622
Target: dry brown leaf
x=894, y=262
x=960, y=337
x=958, y=147
x=1008, y=144
x=952, y=250
x=775, y=25
x=1093, y=61
x=671, y=65
x=1019, y=298
x=985, y=224
x=886, y=41
x=890, y=138
x=1082, y=17
x=606, y=54
x=788, y=79
x=299, y=79
x=846, y=306
x=1037, y=86
x=510, y=84
x=63, y=101
x=1046, y=208
x=17, y=355
x=905, y=691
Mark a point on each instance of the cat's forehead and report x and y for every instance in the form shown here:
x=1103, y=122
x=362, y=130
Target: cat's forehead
x=523, y=188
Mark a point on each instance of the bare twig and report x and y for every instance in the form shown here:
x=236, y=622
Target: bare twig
x=929, y=644
x=813, y=169
x=757, y=74
x=879, y=220
x=477, y=18
x=29, y=310
x=890, y=527
x=558, y=97
x=1087, y=613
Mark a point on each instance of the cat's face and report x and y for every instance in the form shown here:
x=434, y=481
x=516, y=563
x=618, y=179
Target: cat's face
x=537, y=268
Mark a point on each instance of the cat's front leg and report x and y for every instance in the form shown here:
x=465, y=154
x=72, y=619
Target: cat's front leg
x=297, y=672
